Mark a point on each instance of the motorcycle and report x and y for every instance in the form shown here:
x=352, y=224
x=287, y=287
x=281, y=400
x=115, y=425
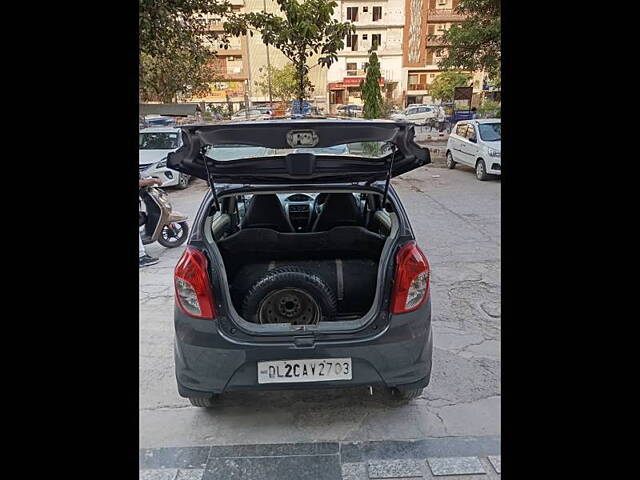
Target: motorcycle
x=161, y=223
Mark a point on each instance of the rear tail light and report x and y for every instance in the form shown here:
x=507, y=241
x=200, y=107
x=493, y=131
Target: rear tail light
x=411, y=286
x=193, y=289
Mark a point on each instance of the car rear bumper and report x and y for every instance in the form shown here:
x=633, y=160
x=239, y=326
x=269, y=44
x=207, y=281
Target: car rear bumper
x=207, y=362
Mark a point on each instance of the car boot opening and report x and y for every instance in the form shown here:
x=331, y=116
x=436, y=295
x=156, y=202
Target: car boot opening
x=304, y=258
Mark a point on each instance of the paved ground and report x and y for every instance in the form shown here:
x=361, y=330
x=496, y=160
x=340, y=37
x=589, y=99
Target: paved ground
x=457, y=222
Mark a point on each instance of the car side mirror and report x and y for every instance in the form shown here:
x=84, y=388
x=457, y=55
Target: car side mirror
x=473, y=139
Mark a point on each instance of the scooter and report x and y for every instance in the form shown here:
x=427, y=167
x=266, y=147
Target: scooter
x=161, y=223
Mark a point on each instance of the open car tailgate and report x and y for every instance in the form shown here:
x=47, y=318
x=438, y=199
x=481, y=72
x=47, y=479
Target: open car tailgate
x=303, y=151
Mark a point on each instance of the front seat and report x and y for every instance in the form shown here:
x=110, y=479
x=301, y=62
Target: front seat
x=266, y=211
x=339, y=210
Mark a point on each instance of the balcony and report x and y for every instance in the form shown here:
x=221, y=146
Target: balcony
x=444, y=15
x=435, y=41
x=419, y=87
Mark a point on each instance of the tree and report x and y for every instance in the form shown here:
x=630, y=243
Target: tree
x=174, y=40
x=284, y=84
x=304, y=29
x=444, y=85
x=371, y=89
x=474, y=44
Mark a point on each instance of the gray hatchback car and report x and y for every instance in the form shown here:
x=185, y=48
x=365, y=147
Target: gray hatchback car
x=302, y=270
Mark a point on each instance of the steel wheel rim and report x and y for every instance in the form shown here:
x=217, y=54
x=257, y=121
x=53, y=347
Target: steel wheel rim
x=289, y=305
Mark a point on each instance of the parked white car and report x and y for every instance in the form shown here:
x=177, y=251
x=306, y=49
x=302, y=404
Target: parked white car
x=155, y=143
x=419, y=115
x=476, y=143
x=256, y=113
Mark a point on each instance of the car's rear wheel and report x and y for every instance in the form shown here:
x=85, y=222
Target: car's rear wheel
x=205, y=402
x=450, y=162
x=481, y=171
x=406, y=395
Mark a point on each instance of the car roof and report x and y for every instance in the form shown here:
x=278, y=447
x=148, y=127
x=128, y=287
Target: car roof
x=480, y=120
x=159, y=130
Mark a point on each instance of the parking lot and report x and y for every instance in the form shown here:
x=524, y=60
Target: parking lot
x=456, y=219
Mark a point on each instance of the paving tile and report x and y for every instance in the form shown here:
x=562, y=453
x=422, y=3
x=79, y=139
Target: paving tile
x=354, y=471
x=158, y=474
x=276, y=449
x=455, y=466
x=188, y=457
x=495, y=461
x=394, y=469
x=191, y=474
x=412, y=449
x=317, y=467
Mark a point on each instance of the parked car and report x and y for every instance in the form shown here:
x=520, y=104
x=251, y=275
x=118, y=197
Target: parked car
x=350, y=110
x=155, y=143
x=254, y=114
x=302, y=269
x=417, y=115
x=476, y=143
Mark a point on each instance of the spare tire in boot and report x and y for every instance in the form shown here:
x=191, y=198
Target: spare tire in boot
x=289, y=294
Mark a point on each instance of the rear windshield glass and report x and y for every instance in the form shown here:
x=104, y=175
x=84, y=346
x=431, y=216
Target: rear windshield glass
x=490, y=132
x=359, y=149
x=158, y=141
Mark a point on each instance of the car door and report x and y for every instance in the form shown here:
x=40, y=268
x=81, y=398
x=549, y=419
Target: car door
x=412, y=114
x=469, y=145
x=456, y=140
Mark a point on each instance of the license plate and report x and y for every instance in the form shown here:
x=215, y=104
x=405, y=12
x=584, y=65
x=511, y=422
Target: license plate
x=307, y=370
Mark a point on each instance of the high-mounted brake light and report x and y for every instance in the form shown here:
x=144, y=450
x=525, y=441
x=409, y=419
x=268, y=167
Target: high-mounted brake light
x=193, y=289
x=411, y=286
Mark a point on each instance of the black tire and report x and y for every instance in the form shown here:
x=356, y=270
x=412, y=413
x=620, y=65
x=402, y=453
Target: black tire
x=268, y=300
x=406, y=395
x=204, y=402
x=450, y=163
x=169, y=242
x=481, y=170
x=183, y=181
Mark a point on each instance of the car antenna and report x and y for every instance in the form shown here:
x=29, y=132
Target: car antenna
x=212, y=184
x=388, y=179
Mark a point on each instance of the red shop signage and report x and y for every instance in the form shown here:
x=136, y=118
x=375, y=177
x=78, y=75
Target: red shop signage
x=355, y=81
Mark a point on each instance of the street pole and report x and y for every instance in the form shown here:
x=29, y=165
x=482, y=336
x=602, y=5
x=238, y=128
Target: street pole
x=264, y=7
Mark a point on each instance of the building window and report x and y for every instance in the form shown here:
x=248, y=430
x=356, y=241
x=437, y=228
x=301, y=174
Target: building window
x=365, y=36
x=352, y=14
x=365, y=9
x=442, y=2
x=376, y=40
x=352, y=42
x=377, y=13
x=352, y=68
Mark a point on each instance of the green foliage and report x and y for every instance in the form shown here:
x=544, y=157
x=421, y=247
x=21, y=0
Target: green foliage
x=475, y=43
x=306, y=29
x=284, y=83
x=371, y=89
x=174, y=56
x=489, y=109
x=444, y=85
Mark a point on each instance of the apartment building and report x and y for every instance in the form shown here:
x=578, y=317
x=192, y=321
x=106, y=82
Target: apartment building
x=427, y=21
x=259, y=60
x=229, y=64
x=379, y=26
